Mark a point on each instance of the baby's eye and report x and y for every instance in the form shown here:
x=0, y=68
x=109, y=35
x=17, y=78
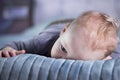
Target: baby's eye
x=63, y=49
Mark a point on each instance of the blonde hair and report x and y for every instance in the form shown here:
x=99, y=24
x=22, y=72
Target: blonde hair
x=102, y=29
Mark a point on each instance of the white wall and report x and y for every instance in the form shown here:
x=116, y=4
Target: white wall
x=46, y=10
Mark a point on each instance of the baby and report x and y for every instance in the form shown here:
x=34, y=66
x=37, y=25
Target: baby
x=92, y=36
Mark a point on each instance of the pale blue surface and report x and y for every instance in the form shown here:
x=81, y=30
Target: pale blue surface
x=26, y=35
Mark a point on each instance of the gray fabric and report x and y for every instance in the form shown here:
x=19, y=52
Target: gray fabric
x=34, y=67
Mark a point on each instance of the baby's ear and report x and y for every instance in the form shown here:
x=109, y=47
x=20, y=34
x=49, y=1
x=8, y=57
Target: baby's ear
x=65, y=28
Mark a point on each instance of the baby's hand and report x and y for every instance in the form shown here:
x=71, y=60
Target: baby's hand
x=10, y=52
x=107, y=58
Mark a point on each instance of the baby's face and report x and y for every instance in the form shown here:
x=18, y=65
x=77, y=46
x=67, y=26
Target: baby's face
x=72, y=44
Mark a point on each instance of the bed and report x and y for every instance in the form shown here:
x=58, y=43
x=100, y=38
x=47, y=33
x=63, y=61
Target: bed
x=35, y=67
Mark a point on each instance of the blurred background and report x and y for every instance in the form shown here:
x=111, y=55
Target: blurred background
x=23, y=19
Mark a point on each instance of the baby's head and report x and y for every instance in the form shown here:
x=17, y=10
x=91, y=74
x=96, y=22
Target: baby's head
x=91, y=36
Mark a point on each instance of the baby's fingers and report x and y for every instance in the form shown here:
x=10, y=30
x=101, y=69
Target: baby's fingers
x=12, y=53
x=0, y=53
x=5, y=54
x=20, y=52
x=107, y=58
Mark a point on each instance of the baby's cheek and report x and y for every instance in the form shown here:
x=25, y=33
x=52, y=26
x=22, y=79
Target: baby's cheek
x=55, y=50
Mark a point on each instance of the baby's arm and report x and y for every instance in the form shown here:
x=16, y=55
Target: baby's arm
x=40, y=44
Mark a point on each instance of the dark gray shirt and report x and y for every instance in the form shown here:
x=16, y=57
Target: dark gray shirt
x=42, y=43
